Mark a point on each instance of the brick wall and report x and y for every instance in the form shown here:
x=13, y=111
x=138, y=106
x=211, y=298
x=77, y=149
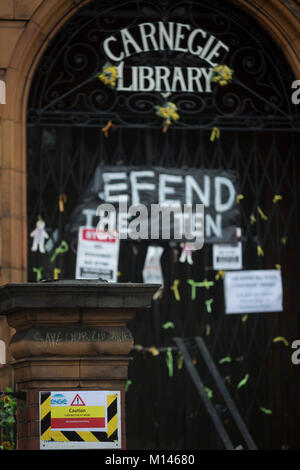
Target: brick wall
x=28, y=422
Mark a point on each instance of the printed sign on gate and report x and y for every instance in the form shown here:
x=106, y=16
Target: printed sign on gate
x=71, y=411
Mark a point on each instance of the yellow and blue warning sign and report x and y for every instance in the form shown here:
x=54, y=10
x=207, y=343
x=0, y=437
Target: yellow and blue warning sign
x=80, y=419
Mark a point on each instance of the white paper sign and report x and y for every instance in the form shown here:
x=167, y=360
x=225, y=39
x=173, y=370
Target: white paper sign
x=227, y=256
x=97, y=255
x=253, y=291
x=152, y=272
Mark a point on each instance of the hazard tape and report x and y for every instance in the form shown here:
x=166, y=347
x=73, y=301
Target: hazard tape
x=47, y=434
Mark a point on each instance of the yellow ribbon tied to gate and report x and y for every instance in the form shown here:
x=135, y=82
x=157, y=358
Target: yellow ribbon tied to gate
x=282, y=339
x=263, y=216
x=62, y=199
x=260, y=251
x=108, y=126
x=220, y=275
x=180, y=360
x=174, y=288
x=56, y=273
x=277, y=198
x=154, y=351
x=215, y=134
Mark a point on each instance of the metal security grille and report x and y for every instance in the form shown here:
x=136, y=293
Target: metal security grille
x=259, y=139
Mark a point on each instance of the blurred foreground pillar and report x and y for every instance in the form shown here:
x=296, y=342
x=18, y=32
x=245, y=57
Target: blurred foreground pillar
x=71, y=339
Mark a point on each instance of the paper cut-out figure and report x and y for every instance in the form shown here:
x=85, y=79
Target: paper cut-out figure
x=39, y=236
x=186, y=254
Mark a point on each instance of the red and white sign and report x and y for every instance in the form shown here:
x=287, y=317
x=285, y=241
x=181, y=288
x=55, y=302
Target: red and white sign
x=97, y=255
x=77, y=401
x=78, y=411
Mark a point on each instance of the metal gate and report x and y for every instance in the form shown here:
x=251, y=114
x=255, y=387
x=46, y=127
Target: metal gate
x=259, y=138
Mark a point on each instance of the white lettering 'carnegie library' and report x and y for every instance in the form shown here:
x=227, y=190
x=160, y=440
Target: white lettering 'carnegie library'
x=161, y=36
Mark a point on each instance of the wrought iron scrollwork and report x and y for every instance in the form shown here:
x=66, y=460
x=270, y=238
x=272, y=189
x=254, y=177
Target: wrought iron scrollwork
x=66, y=89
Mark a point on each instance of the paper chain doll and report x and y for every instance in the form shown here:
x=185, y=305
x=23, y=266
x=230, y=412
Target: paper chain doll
x=39, y=236
x=186, y=254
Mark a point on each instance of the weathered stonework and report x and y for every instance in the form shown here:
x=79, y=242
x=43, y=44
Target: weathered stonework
x=70, y=335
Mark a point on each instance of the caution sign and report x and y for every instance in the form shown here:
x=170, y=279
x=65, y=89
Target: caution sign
x=87, y=419
x=77, y=401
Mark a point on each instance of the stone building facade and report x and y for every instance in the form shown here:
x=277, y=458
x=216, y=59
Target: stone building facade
x=26, y=30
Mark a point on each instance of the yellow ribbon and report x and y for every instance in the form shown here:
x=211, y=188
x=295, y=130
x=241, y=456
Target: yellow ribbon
x=57, y=271
x=277, y=198
x=215, y=134
x=281, y=338
x=278, y=266
x=252, y=219
x=154, y=351
x=207, y=284
x=284, y=240
x=62, y=199
x=239, y=198
x=174, y=288
x=220, y=274
x=106, y=128
x=180, y=361
x=263, y=216
x=260, y=251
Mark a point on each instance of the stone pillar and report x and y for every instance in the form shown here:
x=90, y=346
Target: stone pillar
x=70, y=335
